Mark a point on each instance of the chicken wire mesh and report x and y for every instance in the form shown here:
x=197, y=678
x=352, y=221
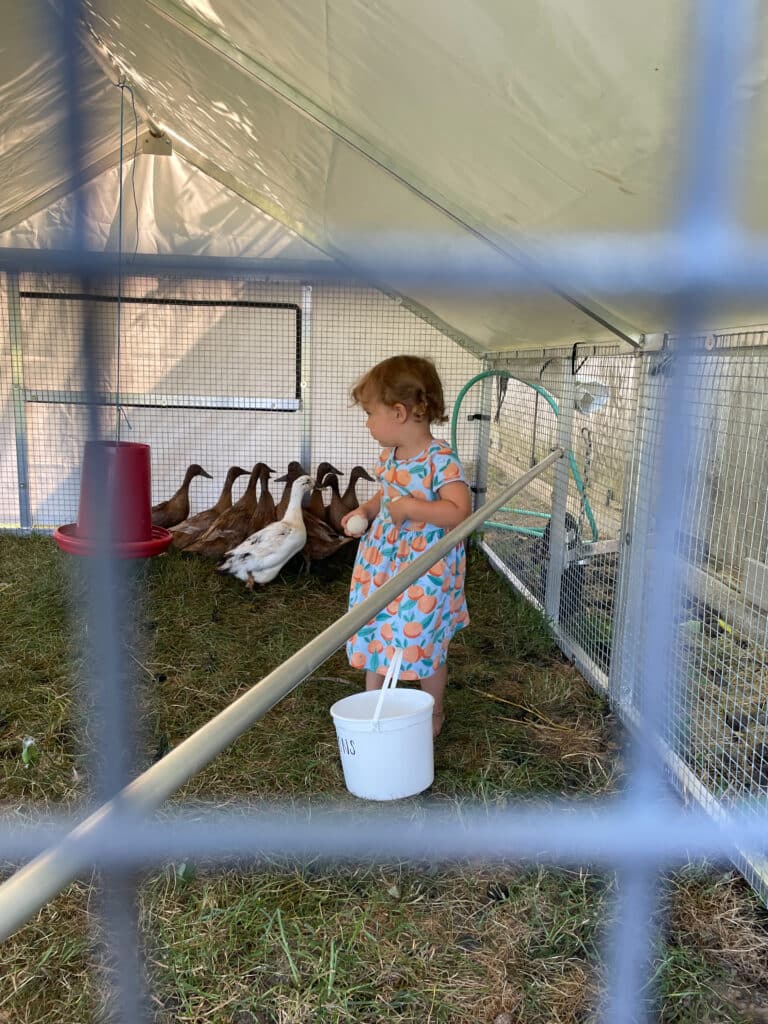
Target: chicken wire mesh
x=716, y=724
x=585, y=400
x=715, y=715
x=11, y=494
x=213, y=373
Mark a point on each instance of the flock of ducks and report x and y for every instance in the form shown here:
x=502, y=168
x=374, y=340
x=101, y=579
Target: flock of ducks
x=257, y=536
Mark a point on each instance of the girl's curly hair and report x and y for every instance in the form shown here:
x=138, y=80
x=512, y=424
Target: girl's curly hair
x=410, y=380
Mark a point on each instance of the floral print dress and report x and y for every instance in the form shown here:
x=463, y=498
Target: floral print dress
x=425, y=618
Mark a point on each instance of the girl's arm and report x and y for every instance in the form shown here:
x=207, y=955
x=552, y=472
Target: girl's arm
x=451, y=508
x=369, y=509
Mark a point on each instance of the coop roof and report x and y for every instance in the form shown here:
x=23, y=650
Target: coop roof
x=297, y=125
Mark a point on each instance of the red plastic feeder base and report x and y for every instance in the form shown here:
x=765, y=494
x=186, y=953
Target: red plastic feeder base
x=68, y=540
x=116, y=473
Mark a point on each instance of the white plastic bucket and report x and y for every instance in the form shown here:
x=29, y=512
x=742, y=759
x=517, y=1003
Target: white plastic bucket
x=385, y=740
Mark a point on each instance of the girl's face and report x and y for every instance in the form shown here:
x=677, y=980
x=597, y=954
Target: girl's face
x=385, y=422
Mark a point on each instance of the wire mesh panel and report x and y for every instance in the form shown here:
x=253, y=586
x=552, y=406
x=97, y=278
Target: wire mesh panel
x=523, y=428
x=352, y=330
x=716, y=726
x=595, y=392
x=232, y=353
x=208, y=372
x=716, y=721
x=11, y=414
x=605, y=400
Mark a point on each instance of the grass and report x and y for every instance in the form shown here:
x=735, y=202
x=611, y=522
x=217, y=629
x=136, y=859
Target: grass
x=294, y=943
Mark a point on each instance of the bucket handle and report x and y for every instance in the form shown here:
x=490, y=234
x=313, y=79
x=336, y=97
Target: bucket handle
x=390, y=682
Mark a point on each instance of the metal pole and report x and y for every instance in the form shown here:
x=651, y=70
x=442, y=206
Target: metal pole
x=634, y=535
x=557, y=532
x=22, y=895
x=636, y=530
x=480, y=489
x=305, y=455
x=19, y=401
x=119, y=265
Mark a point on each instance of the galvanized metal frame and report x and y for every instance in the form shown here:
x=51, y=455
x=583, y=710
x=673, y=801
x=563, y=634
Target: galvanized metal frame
x=131, y=399
x=19, y=398
x=23, y=395
x=483, y=417
x=304, y=374
x=635, y=527
x=557, y=535
x=620, y=685
x=301, y=330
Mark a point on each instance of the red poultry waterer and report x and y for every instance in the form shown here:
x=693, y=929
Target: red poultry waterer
x=116, y=482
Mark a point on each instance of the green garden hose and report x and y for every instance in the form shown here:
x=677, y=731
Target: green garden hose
x=556, y=410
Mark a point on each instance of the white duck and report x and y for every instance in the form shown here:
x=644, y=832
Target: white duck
x=261, y=556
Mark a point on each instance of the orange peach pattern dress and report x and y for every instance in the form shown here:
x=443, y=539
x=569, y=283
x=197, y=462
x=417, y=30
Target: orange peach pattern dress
x=425, y=618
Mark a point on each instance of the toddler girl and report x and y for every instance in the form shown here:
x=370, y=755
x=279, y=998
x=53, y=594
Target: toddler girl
x=423, y=494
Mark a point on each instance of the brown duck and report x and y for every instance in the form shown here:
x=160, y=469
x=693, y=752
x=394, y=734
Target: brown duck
x=176, y=509
x=232, y=526
x=349, y=498
x=265, y=507
x=191, y=529
x=295, y=470
x=316, y=505
x=334, y=510
x=322, y=540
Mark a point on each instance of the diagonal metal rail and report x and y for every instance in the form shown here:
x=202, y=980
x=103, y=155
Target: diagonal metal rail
x=30, y=888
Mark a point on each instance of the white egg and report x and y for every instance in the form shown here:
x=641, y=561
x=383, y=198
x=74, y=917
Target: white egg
x=357, y=525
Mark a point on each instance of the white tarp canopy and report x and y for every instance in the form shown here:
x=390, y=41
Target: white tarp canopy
x=178, y=209
x=474, y=123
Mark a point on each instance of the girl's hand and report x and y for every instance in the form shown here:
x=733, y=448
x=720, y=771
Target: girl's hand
x=359, y=511
x=403, y=508
x=369, y=510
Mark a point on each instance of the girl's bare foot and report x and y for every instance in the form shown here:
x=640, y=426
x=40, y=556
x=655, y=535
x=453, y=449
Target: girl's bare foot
x=438, y=718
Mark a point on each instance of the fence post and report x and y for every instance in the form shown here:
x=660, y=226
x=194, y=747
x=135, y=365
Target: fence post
x=480, y=483
x=557, y=531
x=635, y=533
x=305, y=383
x=19, y=400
